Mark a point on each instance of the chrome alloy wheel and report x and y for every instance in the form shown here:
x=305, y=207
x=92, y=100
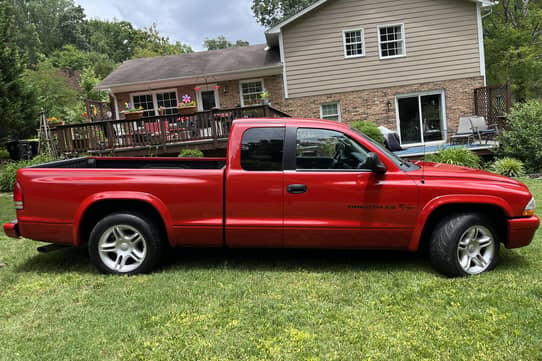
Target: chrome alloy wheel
x=122, y=248
x=476, y=249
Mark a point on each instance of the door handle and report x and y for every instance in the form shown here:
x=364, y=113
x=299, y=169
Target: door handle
x=297, y=188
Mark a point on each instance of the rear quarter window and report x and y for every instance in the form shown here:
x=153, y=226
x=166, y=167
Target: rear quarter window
x=262, y=149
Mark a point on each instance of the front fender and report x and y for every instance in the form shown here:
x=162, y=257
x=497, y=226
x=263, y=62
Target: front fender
x=438, y=202
x=150, y=199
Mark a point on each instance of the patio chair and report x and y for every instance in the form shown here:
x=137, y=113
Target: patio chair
x=482, y=129
x=464, y=132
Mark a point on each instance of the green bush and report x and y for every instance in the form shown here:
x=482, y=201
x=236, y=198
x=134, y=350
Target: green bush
x=4, y=154
x=509, y=167
x=191, y=153
x=369, y=129
x=456, y=156
x=523, y=139
x=7, y=178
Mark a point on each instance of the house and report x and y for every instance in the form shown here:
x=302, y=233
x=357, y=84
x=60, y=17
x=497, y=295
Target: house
x=410, y=65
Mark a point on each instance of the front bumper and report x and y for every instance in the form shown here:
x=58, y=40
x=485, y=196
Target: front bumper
x=11, y=229
x=521, y=231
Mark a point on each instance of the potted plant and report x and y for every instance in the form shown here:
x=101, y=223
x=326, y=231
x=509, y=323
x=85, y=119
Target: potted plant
x=54, y=121
x=132, y=113
x=186, y=105
x=264, y=97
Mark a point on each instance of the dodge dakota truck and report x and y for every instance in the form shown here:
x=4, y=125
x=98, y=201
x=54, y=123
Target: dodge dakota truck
x=293, y=183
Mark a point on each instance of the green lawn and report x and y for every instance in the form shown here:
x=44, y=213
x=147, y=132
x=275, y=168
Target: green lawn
x=267, y=305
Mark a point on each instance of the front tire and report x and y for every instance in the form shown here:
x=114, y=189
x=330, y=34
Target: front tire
x=125, y=244
x=464, y=244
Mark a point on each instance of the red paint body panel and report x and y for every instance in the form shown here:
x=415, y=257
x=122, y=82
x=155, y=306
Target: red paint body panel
x=239, y=208
x=11, y=229
x=521, y=231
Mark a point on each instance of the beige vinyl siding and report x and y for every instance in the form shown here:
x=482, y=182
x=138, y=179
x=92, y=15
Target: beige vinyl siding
x=441, y=38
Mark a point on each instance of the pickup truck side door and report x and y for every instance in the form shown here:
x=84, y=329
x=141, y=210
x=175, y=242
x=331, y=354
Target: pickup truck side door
x=330, y=201
x=254, y=182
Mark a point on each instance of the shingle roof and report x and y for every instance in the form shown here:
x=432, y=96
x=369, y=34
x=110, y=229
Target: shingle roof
x=192, y=65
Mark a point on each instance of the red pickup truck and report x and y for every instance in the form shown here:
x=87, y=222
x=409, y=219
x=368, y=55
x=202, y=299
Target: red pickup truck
x=285, y=183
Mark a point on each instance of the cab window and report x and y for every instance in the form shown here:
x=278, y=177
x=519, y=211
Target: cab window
x=262, y=149
x=322, y=149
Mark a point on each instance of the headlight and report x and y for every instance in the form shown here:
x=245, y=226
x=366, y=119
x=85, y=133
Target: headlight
x=530, y=208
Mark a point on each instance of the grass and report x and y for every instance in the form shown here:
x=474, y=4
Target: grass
x=267, y=305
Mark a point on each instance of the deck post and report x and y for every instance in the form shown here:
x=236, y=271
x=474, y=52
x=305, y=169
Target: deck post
x=163, y=137
x=110, y=135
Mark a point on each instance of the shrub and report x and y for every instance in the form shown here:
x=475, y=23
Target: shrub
x=522, y=140
x=456, y=156
x=7, y=178
x=4, y=154
x=191, y=153
x=509, y=167
x=369, y=129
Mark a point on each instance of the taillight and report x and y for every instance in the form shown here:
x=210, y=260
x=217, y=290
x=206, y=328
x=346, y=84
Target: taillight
x=18, y=200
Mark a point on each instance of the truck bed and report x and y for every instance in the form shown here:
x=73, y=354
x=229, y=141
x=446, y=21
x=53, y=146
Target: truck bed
x=136, y=163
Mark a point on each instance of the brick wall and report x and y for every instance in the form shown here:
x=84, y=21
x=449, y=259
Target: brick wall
x=229, y=92
x=373, y=104
x=359, y=105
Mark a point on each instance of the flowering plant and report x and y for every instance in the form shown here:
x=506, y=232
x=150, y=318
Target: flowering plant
x=52, y=119
x=186, y=101
x=129, y=108
x=264, y=94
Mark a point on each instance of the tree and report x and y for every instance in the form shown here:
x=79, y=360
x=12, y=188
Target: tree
x=148, y=43
x=88, y=83
x=47, y=25
x=73, y=59
x=18, y=115
x=272, y=12
x=222, y=43
x=513, y=45
x=54, y=94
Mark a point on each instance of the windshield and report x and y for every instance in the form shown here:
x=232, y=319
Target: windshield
x=401, y=163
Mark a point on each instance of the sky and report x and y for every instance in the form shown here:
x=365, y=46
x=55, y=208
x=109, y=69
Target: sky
x=187, y=21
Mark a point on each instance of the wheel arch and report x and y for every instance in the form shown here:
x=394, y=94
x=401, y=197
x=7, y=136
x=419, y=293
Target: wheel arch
x=495, y=207
x=100, y=205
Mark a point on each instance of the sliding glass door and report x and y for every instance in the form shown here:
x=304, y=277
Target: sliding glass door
x=421, y=118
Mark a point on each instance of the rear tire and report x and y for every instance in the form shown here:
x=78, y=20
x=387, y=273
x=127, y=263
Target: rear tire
x=125, y=244
x=464, y=244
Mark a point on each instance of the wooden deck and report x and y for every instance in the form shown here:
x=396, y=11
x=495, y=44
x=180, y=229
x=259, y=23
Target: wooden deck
x=157, y=135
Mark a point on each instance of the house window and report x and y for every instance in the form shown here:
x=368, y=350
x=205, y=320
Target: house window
x=391, y=41
x=250, y=92
x=152, y=101
x=168, y=101
x=330, y=111
x=144, y=101
x=354, y=45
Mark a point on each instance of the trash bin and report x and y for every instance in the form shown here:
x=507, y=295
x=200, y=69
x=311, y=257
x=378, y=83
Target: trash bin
x=22, y=149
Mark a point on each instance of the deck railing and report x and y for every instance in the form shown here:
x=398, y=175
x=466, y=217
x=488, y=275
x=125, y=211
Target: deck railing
x=156, y=131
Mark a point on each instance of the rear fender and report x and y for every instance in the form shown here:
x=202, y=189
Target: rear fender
x=153, y=201
x=438, y=202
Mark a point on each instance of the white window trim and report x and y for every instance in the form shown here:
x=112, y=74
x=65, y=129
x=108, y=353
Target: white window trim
x=378, y=27
x=330, y=103
x=442, y=94
x=154, y=97
x=346, y=56
x=205, y=88
x=241, y=82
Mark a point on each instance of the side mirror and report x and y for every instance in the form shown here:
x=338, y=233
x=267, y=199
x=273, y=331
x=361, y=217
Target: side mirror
x=375, y=164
